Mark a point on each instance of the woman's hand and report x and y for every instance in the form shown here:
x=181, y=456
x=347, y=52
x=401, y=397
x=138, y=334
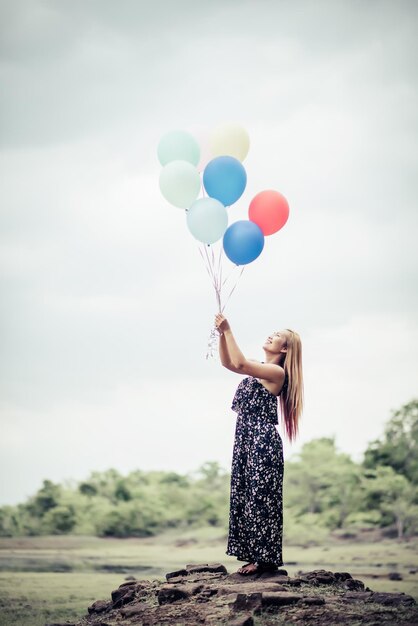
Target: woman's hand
x=221, y=323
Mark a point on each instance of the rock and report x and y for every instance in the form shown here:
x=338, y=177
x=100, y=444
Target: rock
x=317, y=577
x=391, y=599
x=312, y=600
x=134, y=609
x=243, y=620
x=395, y=576
x=353, y=584
x=245, y=602
x=168, y=594
x=325, y=579
x=208, y=592
x=279, y=598
x=124, y=594
x=176, y=579
x=100, y=606
x=204, y=594
x=357, y=596
x=342, y=576
x=278, y=578
x=304, y=579
x=212, y=567
x=180, y=572
x=249, y=587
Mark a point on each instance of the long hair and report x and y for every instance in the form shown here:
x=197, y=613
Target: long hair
x=291, y=397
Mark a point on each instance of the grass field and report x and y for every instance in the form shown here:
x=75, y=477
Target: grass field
x=55, y=578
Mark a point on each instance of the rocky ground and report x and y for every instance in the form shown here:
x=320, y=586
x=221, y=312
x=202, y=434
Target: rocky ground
x=206, y=594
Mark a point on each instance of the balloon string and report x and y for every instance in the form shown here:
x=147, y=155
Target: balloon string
x=214, y=268
x=233, y=288
x=229, y=275
x=203, y=258
x=212, y=273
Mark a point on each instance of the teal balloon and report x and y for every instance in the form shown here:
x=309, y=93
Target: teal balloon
x=225, y=179
x=180, y=183
x=178, y=145
x=243, y=242
x=207, y=220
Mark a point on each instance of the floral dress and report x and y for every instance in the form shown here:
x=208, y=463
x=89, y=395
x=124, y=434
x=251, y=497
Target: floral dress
x=256, y=493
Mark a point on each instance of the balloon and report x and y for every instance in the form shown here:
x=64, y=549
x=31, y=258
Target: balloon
x=270, y=210
x=224, y=178
x=180, y=183
x=207, y=219
x=177, y=145
x=230, y=139
x=243, y=242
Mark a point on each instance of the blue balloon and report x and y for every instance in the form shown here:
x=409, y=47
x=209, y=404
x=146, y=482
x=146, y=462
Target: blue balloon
x=225, y=179
x=243, y=242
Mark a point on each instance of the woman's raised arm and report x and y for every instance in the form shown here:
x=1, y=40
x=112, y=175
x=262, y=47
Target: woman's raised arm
x=233, y=359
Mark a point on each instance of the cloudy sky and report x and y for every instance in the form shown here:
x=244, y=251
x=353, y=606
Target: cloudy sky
x=106, y=303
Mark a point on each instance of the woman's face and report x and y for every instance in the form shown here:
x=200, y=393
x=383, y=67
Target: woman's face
x=275, y=342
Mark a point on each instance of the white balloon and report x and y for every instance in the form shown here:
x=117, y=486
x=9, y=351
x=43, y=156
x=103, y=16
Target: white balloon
x=207, y=220
x=230, y=140
x=180, y=183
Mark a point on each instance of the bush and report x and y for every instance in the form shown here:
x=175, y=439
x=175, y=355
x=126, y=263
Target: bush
x=114, y=524
x=60, y=520
x=129, y=519
x=303, y=530
x=363, y=520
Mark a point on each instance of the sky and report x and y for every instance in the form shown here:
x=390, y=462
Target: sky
x=106, y=303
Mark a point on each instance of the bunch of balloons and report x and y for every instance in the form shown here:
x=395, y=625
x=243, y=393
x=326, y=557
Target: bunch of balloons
x=224, y=181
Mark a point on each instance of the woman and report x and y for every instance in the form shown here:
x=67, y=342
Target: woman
x=256, y=498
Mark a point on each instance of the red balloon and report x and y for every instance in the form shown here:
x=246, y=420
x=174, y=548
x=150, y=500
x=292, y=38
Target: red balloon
x=269, y=210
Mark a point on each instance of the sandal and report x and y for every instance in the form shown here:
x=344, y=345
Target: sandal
x=260, y=568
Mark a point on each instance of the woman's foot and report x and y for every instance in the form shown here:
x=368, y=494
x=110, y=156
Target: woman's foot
x=250, y=568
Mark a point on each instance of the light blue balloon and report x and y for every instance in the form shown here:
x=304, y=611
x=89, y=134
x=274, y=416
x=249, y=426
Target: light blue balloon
x=180, y=183
x=207, y=220
x=178, y=145
x=225, y=179
x=243, y=242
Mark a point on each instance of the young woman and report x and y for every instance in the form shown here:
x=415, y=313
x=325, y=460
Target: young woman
x=256, y=496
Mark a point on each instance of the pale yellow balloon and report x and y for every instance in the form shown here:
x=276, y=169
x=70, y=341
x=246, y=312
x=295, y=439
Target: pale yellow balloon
x=230, y=140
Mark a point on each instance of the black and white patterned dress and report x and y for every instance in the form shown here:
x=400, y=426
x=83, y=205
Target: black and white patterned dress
x=256, y=494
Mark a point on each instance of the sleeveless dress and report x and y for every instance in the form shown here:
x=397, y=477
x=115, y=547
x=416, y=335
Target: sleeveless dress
x=256, y=491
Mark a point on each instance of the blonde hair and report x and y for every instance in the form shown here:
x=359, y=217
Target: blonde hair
x=291, y=397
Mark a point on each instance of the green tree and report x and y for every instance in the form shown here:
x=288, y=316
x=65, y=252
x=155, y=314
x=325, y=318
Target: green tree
x=122, y=491
x=9, y=523
x=87, y=489
x=398, y=448
x=322, y=480
x=60, y=520
x=211, y=475
x=394, y=496
x=45, y=499
x=175, y=479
